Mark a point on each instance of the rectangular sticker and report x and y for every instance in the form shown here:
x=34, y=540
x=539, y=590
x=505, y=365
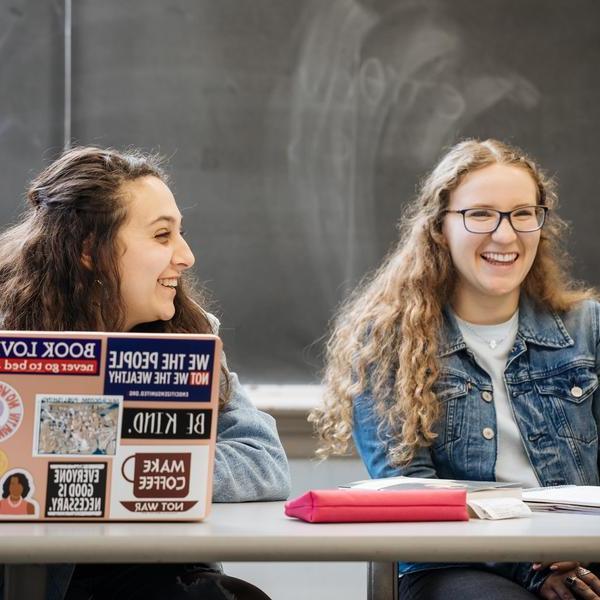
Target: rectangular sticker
x=76, y=425
x=166, y=424
x=159, y=369
x=76, y=489
x=49, y=356
x=160, y=480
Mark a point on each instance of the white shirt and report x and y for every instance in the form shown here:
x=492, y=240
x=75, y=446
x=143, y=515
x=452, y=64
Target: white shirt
x=512, y=462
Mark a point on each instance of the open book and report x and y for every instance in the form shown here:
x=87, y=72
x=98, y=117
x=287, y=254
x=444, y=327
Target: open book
x=475, y=489
x=571, y=498
x=485, y=499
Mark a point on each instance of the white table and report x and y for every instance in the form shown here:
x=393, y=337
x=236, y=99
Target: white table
x=260, y=532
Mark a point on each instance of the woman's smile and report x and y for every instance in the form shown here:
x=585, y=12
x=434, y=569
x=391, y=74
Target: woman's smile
x=500, y=259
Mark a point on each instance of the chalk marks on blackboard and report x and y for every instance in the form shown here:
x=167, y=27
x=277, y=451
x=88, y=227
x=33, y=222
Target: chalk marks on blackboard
x=373, y=84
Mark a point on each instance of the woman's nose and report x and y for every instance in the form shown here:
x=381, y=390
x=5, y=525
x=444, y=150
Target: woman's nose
x=183, y=256
x=505, y=231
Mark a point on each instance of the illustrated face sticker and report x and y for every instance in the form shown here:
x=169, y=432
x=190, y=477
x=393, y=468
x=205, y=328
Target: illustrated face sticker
x=11, y=411
x=16, y=491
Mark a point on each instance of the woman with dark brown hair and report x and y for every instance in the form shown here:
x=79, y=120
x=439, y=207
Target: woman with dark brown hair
x=101, y=248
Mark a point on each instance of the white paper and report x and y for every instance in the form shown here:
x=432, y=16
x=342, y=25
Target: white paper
x=499, y=508
x=571, y=495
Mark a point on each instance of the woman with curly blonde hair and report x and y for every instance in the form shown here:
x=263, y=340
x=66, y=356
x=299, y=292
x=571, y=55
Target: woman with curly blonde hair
x=471, y=354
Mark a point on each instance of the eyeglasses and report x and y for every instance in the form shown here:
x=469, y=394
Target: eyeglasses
x=486, y=220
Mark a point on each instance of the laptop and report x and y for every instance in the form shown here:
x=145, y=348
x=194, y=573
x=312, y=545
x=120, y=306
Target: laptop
x=107, y=426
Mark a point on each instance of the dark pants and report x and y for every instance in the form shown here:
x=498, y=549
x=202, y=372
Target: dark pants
x=460, y=583
x=157, y=582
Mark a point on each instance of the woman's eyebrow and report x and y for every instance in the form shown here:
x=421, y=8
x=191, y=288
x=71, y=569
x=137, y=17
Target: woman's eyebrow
x=168, y=218
x=517, y=205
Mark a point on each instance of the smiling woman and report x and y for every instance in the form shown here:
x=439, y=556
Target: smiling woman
x=490, y=257
x=155, y=254
x=466, y=353
x=100, y=248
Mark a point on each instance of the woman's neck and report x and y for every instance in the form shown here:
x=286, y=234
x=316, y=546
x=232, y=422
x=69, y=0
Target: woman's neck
x=485, y=310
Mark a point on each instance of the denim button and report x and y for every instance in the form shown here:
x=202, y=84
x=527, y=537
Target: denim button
x=576, y=392
x=488, y=433
x=487, y=396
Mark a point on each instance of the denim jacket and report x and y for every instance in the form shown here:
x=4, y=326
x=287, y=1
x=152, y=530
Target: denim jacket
x=250, y=464
x=552, y=381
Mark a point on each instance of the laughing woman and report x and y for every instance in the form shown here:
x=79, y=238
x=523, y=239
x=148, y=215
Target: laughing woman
x=101, y=248
x=470, y=354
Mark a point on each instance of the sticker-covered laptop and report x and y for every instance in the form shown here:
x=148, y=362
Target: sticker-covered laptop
x=106, y=426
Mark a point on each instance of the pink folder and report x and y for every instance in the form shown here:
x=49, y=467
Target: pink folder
x=353, y=506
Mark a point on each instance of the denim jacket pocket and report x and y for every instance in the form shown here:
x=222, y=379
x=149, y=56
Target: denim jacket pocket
x=570, y=394
x=451, y=392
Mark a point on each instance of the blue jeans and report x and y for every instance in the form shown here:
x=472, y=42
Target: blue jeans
x=464, y=583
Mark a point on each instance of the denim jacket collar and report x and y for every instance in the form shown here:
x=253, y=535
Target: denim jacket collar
x=537, y=325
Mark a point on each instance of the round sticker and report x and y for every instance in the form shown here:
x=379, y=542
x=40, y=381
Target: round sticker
x=3, y=462
x=11, y=411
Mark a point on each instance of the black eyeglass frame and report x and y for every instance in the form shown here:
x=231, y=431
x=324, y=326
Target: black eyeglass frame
x=503, y=214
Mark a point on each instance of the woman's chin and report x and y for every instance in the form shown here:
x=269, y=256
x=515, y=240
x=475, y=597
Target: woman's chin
x=167, y=314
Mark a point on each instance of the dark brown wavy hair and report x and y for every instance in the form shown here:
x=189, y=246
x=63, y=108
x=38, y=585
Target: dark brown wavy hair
x=76, y=208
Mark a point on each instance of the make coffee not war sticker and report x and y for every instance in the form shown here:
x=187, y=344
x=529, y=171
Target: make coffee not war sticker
x=76, y=489
x=160, y=481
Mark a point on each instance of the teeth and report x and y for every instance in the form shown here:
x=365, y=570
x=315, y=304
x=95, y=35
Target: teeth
x=170, y=283
x=497, y=257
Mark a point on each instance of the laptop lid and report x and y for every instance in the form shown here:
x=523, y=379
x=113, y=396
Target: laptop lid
x=107, y=426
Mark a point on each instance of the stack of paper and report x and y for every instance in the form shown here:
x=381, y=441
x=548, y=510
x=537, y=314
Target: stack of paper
x=479, y=489
x=570, y=498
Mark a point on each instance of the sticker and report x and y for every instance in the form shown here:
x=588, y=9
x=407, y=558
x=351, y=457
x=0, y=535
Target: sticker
x=165, y=369
x=49, y=356
x=76, y=425
x=17, y=491
x=166, y=424
x=159, y=506
x=76, y=489
x=11, y=411
x=159, y=474
x=3, y=462
x=154, y=479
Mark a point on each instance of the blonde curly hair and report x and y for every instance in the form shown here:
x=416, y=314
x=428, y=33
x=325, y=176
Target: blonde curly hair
x=385, y=337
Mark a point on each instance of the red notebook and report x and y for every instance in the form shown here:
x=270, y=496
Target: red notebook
x=354, y=506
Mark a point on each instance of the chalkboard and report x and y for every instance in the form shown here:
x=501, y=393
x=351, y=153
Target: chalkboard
x=296, y=129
